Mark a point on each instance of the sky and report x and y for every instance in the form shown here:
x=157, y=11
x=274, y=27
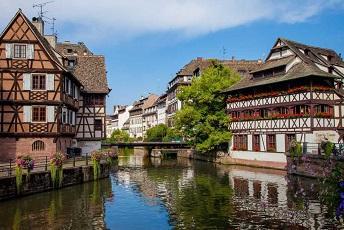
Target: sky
x=145, y=42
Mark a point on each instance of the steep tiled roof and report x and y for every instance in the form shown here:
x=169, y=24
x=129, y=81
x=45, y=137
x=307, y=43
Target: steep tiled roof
x=274, y=63
x=243, y=67
x=91, y=72
x=150, y=101
x=298, y=71
x=71, y=49
x=316, y=52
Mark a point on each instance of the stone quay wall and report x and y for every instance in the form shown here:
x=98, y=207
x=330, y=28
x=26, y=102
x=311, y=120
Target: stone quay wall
x=316, y=166
x=41, y=181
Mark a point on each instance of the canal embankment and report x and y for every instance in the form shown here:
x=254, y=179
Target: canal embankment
x=226, y=159
x=37, y=182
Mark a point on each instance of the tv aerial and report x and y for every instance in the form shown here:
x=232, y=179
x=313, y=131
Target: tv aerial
x=41, y=6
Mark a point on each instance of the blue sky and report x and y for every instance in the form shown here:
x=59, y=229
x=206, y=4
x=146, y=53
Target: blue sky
x=146, y=42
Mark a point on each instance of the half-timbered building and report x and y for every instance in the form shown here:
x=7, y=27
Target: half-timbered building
x=90, y=70
x=296, y=94
x=39, y=97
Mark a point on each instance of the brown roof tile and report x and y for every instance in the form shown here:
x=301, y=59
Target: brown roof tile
x=91, y=72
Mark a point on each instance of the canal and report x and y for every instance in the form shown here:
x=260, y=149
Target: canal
x=176, y=194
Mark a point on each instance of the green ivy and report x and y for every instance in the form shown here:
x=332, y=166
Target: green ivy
x=19, y=179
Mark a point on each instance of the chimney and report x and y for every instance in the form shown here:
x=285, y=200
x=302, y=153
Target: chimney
x=39, y=24
x=52, y=39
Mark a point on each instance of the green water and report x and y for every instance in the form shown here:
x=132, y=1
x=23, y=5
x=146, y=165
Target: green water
x=175, y=194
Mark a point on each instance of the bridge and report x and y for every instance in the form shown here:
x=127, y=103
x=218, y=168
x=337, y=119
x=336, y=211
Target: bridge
x=153, y=145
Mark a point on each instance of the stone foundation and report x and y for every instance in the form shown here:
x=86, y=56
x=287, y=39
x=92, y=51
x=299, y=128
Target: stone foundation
x=223, y=158
x=41, y=181
x=316, y=166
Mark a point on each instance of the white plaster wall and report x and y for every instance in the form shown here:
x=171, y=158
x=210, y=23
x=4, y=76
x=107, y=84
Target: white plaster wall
x=259, y=156
x=123, y=117
x=263, y=142
x=280, y=143
x=249, y=144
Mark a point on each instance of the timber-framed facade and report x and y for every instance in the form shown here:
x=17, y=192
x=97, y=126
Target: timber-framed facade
x=40, y=97
x=295, y=95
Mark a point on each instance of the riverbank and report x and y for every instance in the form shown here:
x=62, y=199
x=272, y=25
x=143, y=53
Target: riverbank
x=222, y=158
x=41, y=181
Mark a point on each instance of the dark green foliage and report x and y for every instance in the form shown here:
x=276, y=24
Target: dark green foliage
x=203, y=121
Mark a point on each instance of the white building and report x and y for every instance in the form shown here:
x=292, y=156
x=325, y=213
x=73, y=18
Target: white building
x=295, y=95
x=161, y=109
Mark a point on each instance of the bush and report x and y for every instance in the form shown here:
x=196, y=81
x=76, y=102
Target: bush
x=295, y=149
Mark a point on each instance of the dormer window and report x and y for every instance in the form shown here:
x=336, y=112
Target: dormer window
x=19, y=51
x=71, y=63
x=306, y=52
x=69, y=51
x=329, y=58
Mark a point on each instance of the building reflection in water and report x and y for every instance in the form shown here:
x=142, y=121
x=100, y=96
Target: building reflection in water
x=75, y=207
x=259, y=197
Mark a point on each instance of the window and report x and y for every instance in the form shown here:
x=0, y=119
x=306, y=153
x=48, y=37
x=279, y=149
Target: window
x=322, y=109
x=19, y=51
x=71, y=63
x=94, y=100
x=69, y=51
x=301, y=109
x=38, y=146
x=98, y=125
x=38, y=82
x=271, y=142
x=240, y=142
x=235, y=114
x=38, y=114
x=64, y=117
x=256, y=143
x=282, y=110
x=288, y=139
x=264, y=113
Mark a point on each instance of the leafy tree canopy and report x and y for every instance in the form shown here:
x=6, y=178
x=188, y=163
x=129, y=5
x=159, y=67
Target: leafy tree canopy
x=162, y=133
x=203, y=121
x=119, y=135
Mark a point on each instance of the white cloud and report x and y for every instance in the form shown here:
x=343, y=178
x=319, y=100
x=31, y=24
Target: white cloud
x=122, y=19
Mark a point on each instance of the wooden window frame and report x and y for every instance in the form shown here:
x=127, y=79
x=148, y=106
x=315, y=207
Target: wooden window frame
x=41, y=84
x=21, y=53
x=98, y=127
x=256, y=142
x=271, y=142
x=37, y=116
x=240, y=142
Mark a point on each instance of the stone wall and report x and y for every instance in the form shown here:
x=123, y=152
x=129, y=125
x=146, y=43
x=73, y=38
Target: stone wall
x=223, y=158
x=309, y=165
x=41, y=181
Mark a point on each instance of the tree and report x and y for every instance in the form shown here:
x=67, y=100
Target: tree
x=162, y=133
x=203, y=121
x=156, y=133
x=119, y=135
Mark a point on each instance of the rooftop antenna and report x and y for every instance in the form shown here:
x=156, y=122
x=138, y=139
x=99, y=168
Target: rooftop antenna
x=224, y=52
x=52, y=23
x=40, y=6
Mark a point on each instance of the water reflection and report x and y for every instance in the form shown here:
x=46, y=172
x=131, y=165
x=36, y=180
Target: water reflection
x=176, y=193
x=205, y=195
x=75, y=207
